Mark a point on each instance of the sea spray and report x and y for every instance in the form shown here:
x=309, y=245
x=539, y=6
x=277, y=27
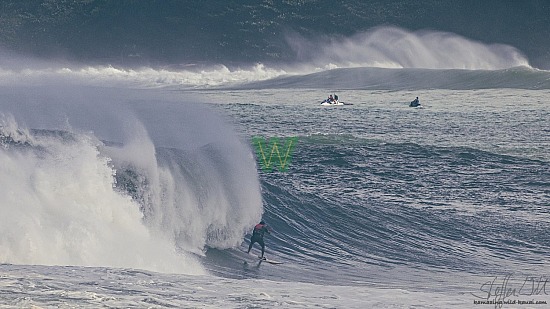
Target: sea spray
x=392, y=47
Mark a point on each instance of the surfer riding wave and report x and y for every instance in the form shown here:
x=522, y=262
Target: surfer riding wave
x=258, y=236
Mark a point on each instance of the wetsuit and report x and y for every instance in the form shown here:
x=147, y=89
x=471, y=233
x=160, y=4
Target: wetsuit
x=258, y=236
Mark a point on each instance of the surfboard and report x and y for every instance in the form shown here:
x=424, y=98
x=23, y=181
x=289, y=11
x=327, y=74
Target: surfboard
x=264, y=259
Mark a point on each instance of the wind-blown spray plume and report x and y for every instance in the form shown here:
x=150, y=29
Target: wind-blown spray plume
x=391, y=47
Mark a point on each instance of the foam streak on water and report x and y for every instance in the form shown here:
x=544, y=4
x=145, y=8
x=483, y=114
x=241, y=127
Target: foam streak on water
x=100, y=287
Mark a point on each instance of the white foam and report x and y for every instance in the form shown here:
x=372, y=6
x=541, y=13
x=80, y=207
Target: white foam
x=60, y=208
x=145, y=77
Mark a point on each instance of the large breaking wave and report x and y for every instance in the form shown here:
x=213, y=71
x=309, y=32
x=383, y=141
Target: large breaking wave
x=99, y=181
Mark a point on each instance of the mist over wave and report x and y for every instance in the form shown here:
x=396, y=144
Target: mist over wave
x=391, y=47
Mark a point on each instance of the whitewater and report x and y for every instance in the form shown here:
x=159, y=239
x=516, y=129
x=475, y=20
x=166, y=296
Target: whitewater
x=139, y=187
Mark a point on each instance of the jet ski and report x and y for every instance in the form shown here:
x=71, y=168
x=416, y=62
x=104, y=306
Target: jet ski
x=332, y=103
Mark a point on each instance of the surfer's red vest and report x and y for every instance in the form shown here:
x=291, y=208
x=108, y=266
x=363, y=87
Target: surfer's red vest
x=259, y=230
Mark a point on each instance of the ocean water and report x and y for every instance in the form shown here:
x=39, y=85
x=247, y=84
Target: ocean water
x=382, y=205
x=138, y=187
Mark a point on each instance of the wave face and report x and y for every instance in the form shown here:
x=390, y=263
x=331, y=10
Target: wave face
x=356, y=201
x=102, y=182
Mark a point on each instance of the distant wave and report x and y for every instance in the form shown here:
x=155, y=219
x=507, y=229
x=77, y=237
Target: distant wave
x=422, y=59
x=404, y=79
x=259, y=76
